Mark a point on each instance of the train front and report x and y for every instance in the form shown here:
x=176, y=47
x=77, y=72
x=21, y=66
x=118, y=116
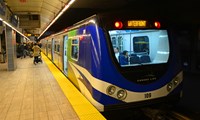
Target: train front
x=141, y=65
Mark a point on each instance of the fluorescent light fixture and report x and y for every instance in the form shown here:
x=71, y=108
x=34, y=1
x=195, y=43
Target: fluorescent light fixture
x=163, y=52
x=60, y=13
x=14, y=28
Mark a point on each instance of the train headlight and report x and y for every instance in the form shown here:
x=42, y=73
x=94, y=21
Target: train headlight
x=176, y=81
x=111, y=90
x=121, y=94
x=169, y=87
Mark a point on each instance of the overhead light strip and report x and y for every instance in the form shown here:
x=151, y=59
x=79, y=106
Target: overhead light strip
x=60, y=13
x=14, y=28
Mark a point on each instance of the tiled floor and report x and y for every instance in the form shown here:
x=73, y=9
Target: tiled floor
x=31, y=93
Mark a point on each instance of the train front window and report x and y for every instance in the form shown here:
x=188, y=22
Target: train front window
x=140, y=47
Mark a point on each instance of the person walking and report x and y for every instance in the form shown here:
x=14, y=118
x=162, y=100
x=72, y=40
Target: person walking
x=36, y=53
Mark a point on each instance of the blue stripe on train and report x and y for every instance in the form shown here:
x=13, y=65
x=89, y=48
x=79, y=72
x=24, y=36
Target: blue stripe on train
x=97, y=95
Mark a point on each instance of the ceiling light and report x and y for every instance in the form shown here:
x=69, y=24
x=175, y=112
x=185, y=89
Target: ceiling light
x=59, y=14
x=14, y=28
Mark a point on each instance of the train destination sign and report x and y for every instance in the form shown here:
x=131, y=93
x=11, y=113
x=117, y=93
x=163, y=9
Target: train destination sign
x=137, y=23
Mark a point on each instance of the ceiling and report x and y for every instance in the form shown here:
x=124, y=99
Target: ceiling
x=35, y=15
x=184, y=11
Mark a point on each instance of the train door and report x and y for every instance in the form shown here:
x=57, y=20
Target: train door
x=46, y=47
x=52, y=49
x=65, y=44
x=49, y=49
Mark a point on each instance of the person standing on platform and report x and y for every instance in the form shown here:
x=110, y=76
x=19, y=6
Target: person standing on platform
x=36, y=53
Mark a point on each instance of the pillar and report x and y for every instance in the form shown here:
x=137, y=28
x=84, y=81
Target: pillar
x=10, y=36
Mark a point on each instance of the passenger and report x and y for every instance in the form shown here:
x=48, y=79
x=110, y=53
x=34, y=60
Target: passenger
x=116, y=50
x=29, y=49
x=123, y=59
x=36, y=53
x=3, y=52
x=30, y=46
x=25, y=52
x=76, y=55
x=21, y=50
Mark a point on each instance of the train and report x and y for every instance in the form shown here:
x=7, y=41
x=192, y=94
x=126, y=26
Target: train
x=151, y=72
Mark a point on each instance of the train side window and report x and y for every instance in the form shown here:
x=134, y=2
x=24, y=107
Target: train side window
x=75, y=49
x=58, y=48
x=55, y=47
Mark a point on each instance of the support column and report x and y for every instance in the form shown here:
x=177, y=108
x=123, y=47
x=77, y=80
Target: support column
x=11, y=48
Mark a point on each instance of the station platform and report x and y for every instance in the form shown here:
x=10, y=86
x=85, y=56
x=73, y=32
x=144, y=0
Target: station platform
x=41, y=92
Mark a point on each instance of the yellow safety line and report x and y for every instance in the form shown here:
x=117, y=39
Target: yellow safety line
x=84, y=109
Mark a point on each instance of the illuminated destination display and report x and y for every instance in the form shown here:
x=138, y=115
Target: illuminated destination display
x=137, y=23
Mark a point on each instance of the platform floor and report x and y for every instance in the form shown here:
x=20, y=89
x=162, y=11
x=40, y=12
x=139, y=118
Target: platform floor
x=31, y=92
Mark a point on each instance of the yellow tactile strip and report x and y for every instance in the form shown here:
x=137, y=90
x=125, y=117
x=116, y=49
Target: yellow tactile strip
x=84, y=109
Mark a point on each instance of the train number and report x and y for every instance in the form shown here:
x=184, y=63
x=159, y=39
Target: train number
x=147, y=95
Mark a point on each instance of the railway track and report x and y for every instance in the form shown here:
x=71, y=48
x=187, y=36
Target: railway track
x=159, y=114
x=148, y=114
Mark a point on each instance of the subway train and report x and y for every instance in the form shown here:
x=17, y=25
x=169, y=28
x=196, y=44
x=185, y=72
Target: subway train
x=146, y=70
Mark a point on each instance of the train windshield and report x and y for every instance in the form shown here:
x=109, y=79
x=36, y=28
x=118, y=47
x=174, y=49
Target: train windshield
x=140, y=47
